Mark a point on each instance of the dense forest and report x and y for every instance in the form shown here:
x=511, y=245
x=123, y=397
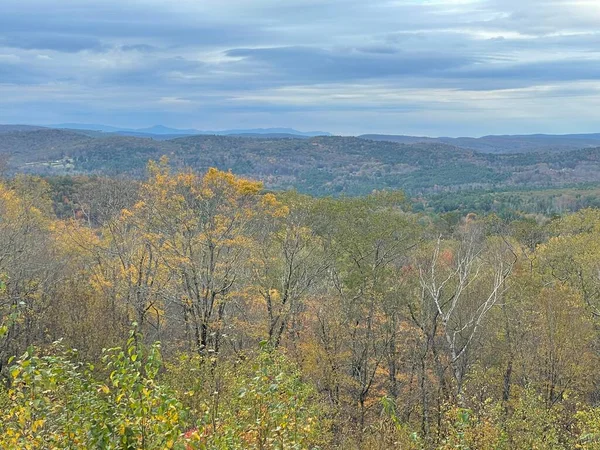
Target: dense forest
x=193, y=310
x=504, y=143
x=318, y=166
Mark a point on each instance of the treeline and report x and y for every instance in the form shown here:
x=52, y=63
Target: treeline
x=286, y=321
x=511, y=204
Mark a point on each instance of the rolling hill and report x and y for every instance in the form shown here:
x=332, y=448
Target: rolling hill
x=317, y=165
x=505, y=143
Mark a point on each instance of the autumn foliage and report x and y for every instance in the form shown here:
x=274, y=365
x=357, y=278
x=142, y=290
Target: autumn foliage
x=196, y=311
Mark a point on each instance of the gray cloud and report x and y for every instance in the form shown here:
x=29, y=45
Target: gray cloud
x=58, y=42
x=313, y=65
x=446, y=67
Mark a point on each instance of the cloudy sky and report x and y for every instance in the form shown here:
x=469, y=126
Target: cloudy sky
x=426, y=67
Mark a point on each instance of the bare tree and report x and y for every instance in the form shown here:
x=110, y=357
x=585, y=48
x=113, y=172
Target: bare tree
x=462, y=283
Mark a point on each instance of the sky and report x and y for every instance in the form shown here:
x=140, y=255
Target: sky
x=418, y=67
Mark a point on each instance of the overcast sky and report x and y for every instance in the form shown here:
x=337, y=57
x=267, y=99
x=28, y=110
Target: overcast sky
x=439, y=67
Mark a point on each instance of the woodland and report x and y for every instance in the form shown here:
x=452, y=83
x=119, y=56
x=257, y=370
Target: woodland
x=199, y=310
x=317, y=166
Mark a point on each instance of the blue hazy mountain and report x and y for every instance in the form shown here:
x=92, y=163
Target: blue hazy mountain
x=163, y=130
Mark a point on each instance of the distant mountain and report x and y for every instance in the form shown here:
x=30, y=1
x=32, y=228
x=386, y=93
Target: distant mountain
x=156, y=137
x=400, y=138
x=159, y=130
x=271, y=131
x=85, y=126
x=13, y=128
x=154, y=130
x=503, y=143
x=269, y=135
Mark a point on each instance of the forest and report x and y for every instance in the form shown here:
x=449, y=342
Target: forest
x=317, y=166
x=199, y=310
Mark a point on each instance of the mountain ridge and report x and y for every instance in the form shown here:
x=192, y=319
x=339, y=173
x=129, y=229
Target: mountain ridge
x=164, y=130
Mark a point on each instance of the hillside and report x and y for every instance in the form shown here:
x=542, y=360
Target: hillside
x=504, y=144
x=39, y=145
x=13, y=128
x=318, y=165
